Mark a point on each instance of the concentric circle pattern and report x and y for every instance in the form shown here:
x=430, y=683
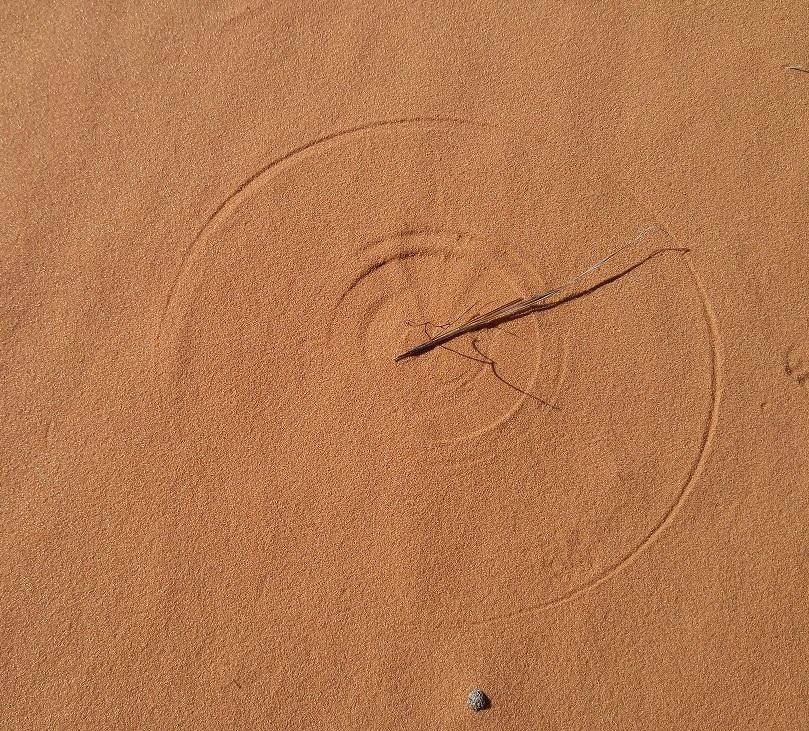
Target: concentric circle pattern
x=513, y=469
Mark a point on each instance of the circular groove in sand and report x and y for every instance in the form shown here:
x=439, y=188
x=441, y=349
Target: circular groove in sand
x=173, y=311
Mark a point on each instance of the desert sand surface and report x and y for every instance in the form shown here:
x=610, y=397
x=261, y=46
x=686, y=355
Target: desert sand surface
x=226, y=506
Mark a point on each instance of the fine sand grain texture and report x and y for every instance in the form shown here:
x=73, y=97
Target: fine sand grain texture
x=225, y=505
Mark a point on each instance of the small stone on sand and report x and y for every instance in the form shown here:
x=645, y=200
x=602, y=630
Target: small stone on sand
x=477, y=700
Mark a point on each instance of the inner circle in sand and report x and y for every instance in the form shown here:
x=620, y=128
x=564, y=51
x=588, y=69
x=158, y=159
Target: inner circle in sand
x=430, y=484
x=416, y=284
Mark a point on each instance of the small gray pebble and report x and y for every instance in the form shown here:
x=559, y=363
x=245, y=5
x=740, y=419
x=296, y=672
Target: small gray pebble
x=477, y=700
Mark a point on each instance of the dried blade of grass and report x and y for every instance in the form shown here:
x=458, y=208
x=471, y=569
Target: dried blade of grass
x=515, y=307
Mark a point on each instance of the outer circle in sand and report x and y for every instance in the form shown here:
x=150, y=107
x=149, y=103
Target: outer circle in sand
x=334, y=276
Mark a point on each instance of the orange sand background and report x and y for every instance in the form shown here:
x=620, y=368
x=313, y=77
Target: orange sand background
x=225, y=506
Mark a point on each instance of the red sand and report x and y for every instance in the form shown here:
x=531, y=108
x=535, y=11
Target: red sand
x=225, y=506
